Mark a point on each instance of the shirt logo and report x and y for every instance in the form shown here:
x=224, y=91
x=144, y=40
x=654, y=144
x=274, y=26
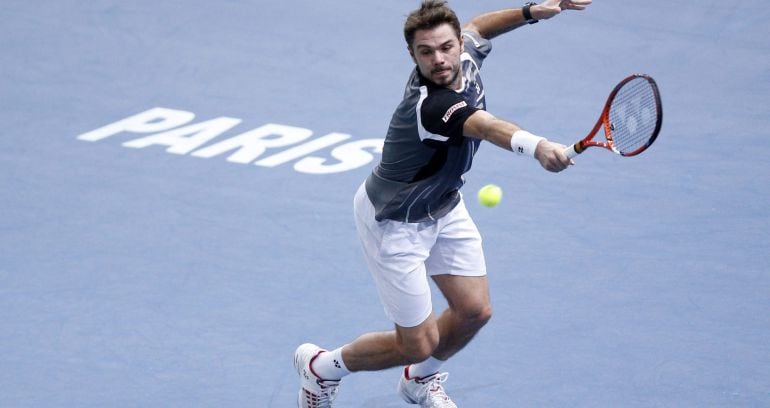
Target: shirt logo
x=452, y=109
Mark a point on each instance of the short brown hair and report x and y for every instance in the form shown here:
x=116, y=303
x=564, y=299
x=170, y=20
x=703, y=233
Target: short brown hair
x=430, y=15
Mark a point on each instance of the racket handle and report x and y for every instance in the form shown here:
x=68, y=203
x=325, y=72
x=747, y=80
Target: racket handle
x=571, y=152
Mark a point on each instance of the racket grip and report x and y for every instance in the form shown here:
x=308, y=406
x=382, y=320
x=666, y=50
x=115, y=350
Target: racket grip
x=571, y=152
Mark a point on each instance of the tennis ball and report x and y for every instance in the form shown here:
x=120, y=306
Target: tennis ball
x=490, y=195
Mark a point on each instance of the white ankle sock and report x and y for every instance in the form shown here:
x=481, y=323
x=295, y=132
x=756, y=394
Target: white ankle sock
x=425, y=368
x=329, y=365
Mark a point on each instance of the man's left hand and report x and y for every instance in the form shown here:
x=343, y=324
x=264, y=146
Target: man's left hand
x=550, y=8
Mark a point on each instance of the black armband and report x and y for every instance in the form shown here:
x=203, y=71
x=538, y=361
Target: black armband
x=527, y=14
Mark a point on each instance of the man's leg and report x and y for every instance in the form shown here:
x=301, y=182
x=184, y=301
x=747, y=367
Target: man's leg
x=469, y=310
x=369, y=352
x=395, y=253
x=405, y=345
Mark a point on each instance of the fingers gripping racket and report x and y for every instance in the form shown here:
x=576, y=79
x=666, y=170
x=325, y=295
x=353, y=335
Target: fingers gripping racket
x=631, y=119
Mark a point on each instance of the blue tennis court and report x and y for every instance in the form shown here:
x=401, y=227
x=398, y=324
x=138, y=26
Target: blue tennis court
x=177, y=205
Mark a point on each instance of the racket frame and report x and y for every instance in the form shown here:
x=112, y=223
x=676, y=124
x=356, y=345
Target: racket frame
x=604, y=121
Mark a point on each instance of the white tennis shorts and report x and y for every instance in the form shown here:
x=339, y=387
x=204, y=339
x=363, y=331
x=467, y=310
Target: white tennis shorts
x=401, y=256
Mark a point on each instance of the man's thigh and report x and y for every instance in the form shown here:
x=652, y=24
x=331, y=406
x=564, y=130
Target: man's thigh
x=467, y=295
x=458, y=249
x=395, y=254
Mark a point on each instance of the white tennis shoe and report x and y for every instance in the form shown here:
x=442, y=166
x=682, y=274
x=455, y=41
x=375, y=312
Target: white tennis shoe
x=314, y=391
x=427, y=391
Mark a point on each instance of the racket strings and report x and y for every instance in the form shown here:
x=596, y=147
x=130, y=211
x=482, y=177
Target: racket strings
x=634, y=116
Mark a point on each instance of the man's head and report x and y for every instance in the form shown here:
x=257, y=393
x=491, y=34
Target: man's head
x=432, y=35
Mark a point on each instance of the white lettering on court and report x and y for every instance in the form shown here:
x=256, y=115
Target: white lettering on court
x=268, y=146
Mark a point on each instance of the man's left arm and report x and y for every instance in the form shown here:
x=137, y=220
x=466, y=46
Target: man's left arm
x=492, y=24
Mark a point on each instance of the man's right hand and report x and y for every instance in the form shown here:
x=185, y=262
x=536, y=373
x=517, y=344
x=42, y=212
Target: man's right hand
x=551, y=156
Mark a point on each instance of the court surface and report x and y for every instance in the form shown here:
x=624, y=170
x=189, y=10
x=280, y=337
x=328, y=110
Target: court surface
x=169, y=262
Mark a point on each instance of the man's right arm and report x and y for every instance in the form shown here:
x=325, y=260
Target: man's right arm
x=483, y=125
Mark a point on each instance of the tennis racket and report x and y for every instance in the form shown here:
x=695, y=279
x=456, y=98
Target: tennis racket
x=631, y=119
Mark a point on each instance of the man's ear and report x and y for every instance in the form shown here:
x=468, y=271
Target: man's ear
x=411, y=53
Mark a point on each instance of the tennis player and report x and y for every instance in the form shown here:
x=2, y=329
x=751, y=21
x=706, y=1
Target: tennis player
x=410, y=215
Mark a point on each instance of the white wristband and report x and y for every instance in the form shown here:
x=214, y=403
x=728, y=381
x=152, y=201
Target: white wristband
x=524, y=143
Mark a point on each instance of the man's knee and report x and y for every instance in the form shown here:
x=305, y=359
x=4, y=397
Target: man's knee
x=485, y=313
x=475, y=315
x=418, y=345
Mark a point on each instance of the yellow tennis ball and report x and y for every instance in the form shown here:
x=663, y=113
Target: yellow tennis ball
x=490, y=195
